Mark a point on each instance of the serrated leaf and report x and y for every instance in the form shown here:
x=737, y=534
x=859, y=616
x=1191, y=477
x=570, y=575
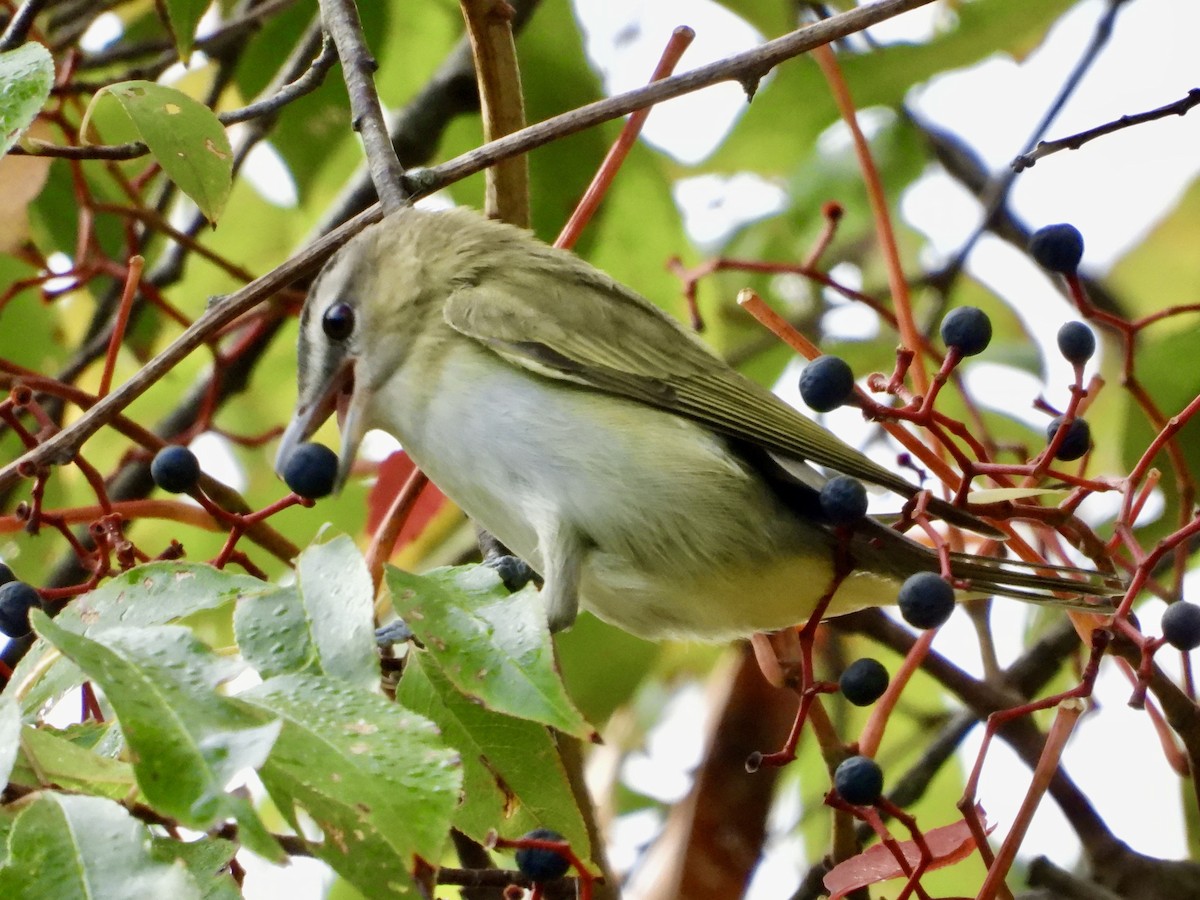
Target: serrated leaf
x=48, y=758
x=153, y=594
x=69, y=847
x=185, y=138
x=182, y=18
x=208, y=861
x=375, y=778
x=513, y=777
x=188, y=741
x=494, y=646
x=26, y=74
x=10, y=730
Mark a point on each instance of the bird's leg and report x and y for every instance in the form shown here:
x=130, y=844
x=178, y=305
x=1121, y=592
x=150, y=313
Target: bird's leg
x=563, y=549
x=797, y=673
x=394, y=632
x=513, y=571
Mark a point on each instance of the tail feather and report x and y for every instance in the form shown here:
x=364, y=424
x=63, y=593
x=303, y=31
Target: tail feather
x=1070, y=588
x=1062, y=586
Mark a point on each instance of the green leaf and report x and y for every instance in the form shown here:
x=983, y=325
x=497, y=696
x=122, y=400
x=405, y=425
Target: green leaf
x=375, y=778
x=338, y=597
x=208, y=861
x=10, y=730
x=273, y=633
x=182, y=17
x=27, y=75
x=494, y=646
x=154, y=594
x=49, y=758
x=513, y=777
x=324, y=625
x=185, y=137
x=69, y=847
x=187, y=740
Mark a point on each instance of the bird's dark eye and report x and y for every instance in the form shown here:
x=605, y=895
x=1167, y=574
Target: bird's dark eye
x=338, y=321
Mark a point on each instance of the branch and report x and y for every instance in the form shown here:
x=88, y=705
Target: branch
x=1075, y=141
x=19, y=24
x=489, y=27
x=417, y=129
x=994, y=196
x=307, y=82
x=358, y=68
x=62, y=447
x=744, y=68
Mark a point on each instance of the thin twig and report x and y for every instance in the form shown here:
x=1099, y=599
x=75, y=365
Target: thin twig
x=19, y=24
x=311, y=79
x=741, y=67
x=489, y=27
x=996, y=193
x=358, y=69
x=681, y=39
x=1075, y=141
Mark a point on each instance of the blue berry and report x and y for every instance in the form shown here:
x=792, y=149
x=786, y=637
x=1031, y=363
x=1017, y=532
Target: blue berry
x=6, y=574
x=859, y=780
x=863, y=681
x=968, y=329
x=311, y=471
x=1076, y=442
x=827, y=383
x=175, y=469
x=1076, y=342
x=843, y=500
x=16, y=600
x=1181, y=625
x=1057, y=248
x=926, y=600
x=542, y=865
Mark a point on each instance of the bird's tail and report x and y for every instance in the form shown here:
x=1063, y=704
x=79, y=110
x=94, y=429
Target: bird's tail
x=1062, y=586
x=1065, y=587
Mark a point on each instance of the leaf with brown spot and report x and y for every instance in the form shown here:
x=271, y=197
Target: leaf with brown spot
x=185, y=137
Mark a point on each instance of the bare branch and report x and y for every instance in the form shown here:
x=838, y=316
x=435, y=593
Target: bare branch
x=1075, y=141
x=358, y=70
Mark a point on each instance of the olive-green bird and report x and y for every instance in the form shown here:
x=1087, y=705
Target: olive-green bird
x=640, y=475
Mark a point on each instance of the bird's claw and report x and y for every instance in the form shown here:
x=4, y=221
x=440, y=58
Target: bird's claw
x=513, y=571
x=394, y=632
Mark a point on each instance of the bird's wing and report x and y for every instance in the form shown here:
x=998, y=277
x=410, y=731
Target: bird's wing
x=605, y=337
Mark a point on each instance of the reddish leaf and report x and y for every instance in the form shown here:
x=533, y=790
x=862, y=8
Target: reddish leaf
x=393, y=472
x=948, y=844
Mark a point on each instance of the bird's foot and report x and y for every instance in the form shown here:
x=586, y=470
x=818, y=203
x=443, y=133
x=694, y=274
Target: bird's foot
x=395, y=632
x=513, y=571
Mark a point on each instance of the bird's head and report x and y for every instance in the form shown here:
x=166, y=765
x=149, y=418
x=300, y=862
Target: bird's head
x=373, y=300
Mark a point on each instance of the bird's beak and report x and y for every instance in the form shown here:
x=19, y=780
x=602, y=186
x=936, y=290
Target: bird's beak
x=342, y=394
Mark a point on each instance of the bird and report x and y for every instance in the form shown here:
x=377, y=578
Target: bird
x=642, y=477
